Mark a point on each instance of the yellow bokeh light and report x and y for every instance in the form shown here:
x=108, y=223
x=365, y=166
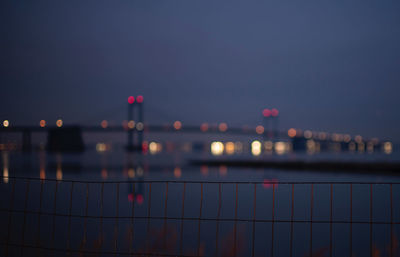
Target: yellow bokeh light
x=101, y=147
x=256, y=148
x=230, y=148
x=153, y=148
x=131, y=124
x=6, y=123
x=387, y=147
x=280, y=147
x=217, y=148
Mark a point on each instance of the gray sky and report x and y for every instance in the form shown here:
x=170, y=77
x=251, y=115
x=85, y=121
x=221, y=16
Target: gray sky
x=326, y=65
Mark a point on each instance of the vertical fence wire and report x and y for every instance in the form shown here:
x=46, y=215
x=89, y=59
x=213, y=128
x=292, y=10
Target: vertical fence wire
x=311, y=219
x=25, y=213
x=83, y=245
x=370, y=223
x=291, y=223
x=116, y=235
x=53, y=233
x=10, y=211
x=132, y=229
x=182, y=217
x=165, y=215
x=199, y=224
x=69, y=220
x=391, y=221
x=235, y=223
x=148, y=219
x=351, y=221
x=254, y=220
x=273, y=220
x=330, y=219
x=39, y=218
x=218, y=218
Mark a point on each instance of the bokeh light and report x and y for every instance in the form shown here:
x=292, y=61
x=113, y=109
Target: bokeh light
x=177, y=172
x=217, y=148
x=230, y=148
x=292, y=132
x=139, y=99
x=42, y=123
x=266, y=112
x=131, y=100
x=256, y=148
x=59, y=123
x=259, y=129
x=223, y=127
x=177, y=125
x=204, y=127
x=274, y=112
x=104, y=124
x=6, y=123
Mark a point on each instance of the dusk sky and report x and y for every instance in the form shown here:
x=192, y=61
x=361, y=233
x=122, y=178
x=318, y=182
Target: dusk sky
x=326, y=65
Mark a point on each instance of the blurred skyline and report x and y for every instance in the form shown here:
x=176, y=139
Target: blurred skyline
x=328, y=66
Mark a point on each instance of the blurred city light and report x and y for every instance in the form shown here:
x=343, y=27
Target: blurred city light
x=280, y=148
x=274, y=112
x=177, y=172
x=217, y=148
x=42, y=123
x=131, y=124
x=6, y=123
x=139, y=126
x=308, y=134
x=230, y=148
x=387, y=147
x=256, y=148
x=139, y=99
x=204, y=127
x=266, y=112
x=131, y=100
x=223, y=127
x=292, y=132
x=104, y=124
x=177, y=125
x=59, y=123
x=259, y=129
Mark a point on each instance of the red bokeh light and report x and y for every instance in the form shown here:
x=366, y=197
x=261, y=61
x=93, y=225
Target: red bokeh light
x=130, y=197
x=274, y=112
x=131, y=100
x=266, y=112
x=139, y=99
x=139, y=199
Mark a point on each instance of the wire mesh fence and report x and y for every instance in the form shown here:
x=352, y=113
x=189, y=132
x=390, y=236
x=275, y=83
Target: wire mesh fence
x=46, y=217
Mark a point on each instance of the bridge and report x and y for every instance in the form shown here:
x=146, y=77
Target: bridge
x=135, y=128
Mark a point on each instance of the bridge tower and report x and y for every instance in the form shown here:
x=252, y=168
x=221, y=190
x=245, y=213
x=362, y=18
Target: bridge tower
x=135, y=130
x=271, y=122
